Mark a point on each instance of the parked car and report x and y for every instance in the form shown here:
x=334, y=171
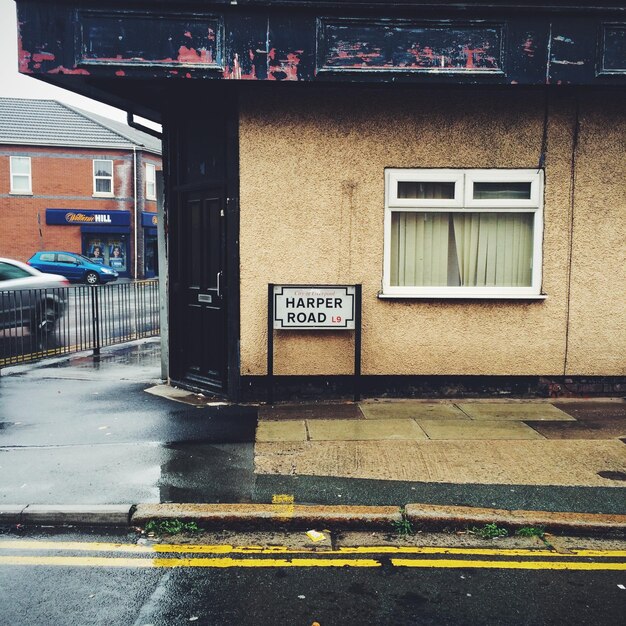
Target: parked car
x=30, y=298
x=75, y=267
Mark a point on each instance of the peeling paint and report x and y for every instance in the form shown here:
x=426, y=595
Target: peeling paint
x=419, y=48
x=120, y=73
x=23, y=57
x=66, y=70
x=38, y=57
x=284, y=68
x=564, y=62
x=191, y=55
x=563, y=39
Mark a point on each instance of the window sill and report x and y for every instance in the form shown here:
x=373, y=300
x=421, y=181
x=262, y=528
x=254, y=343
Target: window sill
x=21, y=193
x=468, y=296
x=103, y=195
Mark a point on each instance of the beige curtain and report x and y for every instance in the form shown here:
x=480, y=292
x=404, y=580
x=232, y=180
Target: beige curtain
x=461, y=249
x=419, y=249
x=494, y=249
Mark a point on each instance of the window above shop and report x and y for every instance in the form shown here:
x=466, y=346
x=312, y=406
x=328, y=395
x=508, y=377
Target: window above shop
x=102, y=177
x=150, y=181
x=21, y=181
x=470, y=233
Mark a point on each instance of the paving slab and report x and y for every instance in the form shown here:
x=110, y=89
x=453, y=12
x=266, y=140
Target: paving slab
x=536, y=411
x=310, y=411
x=599, y=428
x=281, y=431
x=609, y=409
x=485, y=429
x=523, y=462
x=411, y=410
x=363, y=430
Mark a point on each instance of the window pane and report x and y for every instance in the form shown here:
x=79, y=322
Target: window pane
x=461, y=249
x=20, y=165
x=103, y=168
x=103, y=185
x=20, y=183
x=502, y=191
x=426, y=190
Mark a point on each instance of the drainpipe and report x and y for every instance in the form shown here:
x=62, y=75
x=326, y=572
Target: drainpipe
x=135, y=206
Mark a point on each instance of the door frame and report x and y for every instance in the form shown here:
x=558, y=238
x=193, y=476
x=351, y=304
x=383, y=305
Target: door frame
x=223, y=101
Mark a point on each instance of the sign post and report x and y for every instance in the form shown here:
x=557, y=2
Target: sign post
x=313, y=307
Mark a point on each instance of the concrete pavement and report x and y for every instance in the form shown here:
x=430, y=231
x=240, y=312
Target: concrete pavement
x=170, y=447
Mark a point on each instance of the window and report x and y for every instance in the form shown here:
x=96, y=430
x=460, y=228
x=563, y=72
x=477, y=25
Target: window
x=463, y=233
x=66, y=258
x=150, y=181
x=102, y=178
x=11, y=272
x=20, y=175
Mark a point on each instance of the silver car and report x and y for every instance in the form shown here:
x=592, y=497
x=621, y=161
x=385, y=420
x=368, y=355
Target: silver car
x=30, y=298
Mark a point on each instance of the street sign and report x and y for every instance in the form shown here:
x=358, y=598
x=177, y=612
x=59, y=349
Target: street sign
x=302, y=307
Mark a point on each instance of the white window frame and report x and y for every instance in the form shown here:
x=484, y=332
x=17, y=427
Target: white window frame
x=150, y=181
x=102, y=194
x=21, y=192
x=464, y=192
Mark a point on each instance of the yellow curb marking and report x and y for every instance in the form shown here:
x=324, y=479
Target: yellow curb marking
x=228, y=549
x=283, y=506
x=556, y=565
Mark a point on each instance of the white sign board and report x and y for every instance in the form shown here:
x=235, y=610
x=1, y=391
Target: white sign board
x=314, y=306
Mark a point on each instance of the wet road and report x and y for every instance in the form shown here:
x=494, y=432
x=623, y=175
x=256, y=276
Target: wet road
x=113, y=579
x=85, y=432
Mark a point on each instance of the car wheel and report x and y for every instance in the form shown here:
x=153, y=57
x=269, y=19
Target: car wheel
x=45, y=319
x=91, y=278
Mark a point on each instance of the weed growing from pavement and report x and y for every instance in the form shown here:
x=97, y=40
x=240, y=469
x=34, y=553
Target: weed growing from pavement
x=403, y=526
x=531, y=531
x=489, y=531
x=171, y=527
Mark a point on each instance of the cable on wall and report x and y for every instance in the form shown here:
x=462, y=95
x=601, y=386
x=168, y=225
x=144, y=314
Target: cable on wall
x=572, y=196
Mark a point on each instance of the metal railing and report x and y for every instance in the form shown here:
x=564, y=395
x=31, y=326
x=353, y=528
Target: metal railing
x=42, y=323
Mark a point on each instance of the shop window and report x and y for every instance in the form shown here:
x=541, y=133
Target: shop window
x=102, y=177
x=150, y=181
x=21, y=175
x=463, y=233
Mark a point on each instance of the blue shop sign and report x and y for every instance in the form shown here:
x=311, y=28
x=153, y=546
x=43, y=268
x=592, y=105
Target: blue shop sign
x=78, y=217
x=149, y=220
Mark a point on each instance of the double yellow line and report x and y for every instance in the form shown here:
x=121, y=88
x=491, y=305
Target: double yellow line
x=218, y=556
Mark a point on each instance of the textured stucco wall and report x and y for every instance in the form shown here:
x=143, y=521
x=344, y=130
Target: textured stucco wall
x=312, y=207
x=597, y=329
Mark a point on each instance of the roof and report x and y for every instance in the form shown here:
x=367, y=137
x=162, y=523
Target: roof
x=51, y=123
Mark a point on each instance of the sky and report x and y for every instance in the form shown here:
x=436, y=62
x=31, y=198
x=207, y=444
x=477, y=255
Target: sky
x=15, y=85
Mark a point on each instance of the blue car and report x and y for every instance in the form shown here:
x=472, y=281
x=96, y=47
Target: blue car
x=75, y=267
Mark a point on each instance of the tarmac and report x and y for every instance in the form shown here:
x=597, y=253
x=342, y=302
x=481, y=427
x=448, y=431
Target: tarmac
x=436, y=463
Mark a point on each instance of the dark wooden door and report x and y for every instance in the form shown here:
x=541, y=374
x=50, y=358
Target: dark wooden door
x=202, y=326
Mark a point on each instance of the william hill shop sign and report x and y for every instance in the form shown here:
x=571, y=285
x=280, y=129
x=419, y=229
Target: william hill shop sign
x=66, y=217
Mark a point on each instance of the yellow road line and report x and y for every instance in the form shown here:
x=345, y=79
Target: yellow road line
x=551, y=565
x=229, y=549
x=226, y=562
x=86, y=561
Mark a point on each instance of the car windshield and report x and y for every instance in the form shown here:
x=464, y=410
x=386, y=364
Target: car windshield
x=84, y=258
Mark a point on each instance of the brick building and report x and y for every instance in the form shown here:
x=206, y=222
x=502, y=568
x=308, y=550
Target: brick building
x=72, y=180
